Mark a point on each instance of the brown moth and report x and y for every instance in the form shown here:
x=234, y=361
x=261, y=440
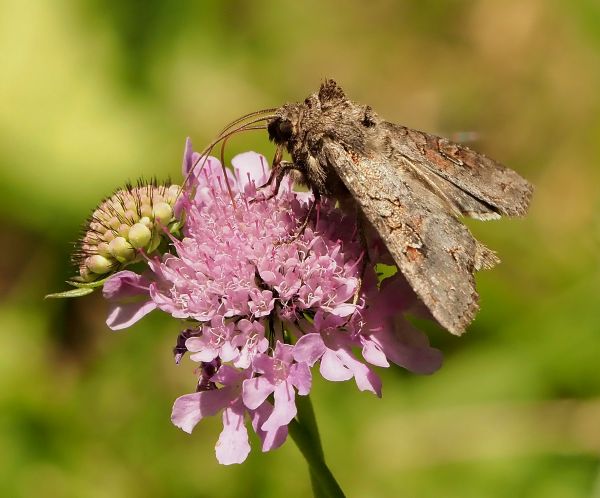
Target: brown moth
x=411, y=186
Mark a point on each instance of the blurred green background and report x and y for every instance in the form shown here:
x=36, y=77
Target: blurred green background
x=96, y=92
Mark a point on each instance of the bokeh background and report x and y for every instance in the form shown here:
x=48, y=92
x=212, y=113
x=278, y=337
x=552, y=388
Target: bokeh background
x=96, y=92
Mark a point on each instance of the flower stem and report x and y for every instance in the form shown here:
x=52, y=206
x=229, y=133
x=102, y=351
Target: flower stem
x=305, y=433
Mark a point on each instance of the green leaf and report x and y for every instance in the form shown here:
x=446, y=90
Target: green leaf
x=89, y=285
x=70, y=293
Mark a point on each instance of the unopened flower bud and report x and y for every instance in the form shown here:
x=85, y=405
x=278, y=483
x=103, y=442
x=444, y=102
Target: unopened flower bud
x=98, y=264
x=121, y=249
x=146, y=221
x=139, y=235
x=131, y=216
x=163, y=212
x=103, y=249
x=146, y=210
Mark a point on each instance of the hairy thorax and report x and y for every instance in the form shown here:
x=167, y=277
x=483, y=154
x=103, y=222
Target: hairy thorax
x=353, y=126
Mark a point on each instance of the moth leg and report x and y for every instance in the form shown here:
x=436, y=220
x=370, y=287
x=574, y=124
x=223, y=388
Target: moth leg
x=361, y=229
x=274, y=167
x=277, y=174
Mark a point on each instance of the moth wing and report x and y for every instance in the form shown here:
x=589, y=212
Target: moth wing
x=471, y=177
x=436, y=253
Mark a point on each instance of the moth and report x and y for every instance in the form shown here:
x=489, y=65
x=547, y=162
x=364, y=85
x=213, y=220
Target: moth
x=411, y=186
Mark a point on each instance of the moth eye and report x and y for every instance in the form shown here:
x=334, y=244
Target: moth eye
x=280, y=130
x=285, y=130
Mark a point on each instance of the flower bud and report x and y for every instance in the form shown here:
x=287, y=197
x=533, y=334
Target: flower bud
x=121, y=249
x=103, y=249
x=98, y=264
x=147, y=221
x=123, y=230
x=146, y=210
x=162, y=212
x=139, y=235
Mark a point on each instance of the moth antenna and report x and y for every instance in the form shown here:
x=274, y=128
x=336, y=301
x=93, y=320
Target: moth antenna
x=240, y=129
x=206, y=152
x=246, y=116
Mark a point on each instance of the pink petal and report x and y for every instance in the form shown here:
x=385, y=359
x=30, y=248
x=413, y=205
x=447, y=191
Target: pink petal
x=165, y=303
x=209, y=172
x=228, y=352
x=262, y=363
x=301, y=378
x=121, y=316
x=309, y=349
x=270, y=439
x=343, y=309
x=365, y=378
x=373, y=354
x=205, y=354
x=189, y=409
x=125, y=284
x=228, y=375
x=284, y=352
x=407, y=347
x=347, y=288
x=285, y=407
x=186, y=164
x=250, y=165
x=333, y=369
x=255, y=391
x=233, y=446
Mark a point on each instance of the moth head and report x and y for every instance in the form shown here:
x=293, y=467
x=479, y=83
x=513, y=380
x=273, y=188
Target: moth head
x=283, y=127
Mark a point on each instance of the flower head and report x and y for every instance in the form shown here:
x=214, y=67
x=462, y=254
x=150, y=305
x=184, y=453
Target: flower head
x=132, y=219
x=265, y=301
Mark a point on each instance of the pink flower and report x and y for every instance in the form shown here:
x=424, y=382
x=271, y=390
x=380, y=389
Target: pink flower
x=279, y=375
x=264, y=303
x=232, y=446
x=333, y=347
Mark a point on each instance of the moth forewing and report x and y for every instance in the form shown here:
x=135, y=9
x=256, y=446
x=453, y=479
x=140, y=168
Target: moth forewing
x=483, y=179
x=436, y=253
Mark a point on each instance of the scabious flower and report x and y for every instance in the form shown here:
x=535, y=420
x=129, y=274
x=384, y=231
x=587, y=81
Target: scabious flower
x=264, y=301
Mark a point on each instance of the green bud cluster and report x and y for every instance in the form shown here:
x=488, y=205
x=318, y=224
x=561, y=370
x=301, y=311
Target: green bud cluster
x=133, y=220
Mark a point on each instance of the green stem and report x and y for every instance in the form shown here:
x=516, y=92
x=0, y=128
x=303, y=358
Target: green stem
x=305, y=434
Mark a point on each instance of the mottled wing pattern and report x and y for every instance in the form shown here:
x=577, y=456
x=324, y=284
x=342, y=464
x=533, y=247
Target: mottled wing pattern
x=436, y=253
x=481, y=187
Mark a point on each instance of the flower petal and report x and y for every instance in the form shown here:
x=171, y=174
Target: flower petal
x=250, y=166
x=374, y=355
x=189, y=409
x=405, y=346
x=255, y=391
x=186, y=164
x=309, y=349
x=285, y=407
x=121, y=316
x=270, y=439
x=125, y=284
x=301, y=378
x=333, y=369
x=233, y=446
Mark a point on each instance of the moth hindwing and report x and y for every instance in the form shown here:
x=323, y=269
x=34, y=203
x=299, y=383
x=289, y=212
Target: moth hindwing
x=412, y=187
